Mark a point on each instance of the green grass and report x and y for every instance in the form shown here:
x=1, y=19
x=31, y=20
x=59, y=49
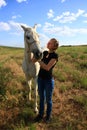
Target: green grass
x=5, y=77
x=70, y=74
x=82, y=101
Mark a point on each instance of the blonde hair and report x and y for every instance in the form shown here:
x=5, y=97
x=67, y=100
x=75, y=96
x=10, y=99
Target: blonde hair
x=56, y=45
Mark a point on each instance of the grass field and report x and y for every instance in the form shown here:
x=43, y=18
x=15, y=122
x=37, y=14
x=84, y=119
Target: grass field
x=69, y=97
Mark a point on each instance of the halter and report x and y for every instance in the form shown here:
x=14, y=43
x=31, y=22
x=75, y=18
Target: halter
x=33, y=43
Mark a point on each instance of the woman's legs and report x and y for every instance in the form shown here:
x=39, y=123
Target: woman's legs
x=49, y=86
x=41, y=95
x=45, y=89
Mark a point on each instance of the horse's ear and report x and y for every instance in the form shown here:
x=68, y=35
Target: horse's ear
x=23, y=27
x=35, y=27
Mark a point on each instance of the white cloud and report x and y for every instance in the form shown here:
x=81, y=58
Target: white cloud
x=85, y=15
x=50, y=14
x=63, y=31
x=85, y=21
x=16, y=16
x=2, y=3
x=48, y=25
x=63, y=1
x=80, y=12
x=4, y=26
x=20, y=1
x=69, y=17
x=13, y=27
x=82, y=30
x=16, y=28
x=39, y=25
x=43, y=40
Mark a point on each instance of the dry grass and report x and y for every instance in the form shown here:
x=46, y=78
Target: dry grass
x=69, y=97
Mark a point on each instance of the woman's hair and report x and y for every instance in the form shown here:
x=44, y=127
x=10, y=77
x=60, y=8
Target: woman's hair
x=56, y=43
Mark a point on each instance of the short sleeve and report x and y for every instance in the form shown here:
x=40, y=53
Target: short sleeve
x=56, y=56
x=45, y=53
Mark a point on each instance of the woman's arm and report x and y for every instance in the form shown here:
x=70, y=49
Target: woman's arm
x=49, y=65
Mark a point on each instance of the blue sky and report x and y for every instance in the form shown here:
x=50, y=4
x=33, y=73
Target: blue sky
x=66, y=20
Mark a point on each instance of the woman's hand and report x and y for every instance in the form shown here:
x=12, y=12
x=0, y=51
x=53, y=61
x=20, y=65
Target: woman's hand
x=48, y=66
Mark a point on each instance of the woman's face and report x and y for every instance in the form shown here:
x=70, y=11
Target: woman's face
x=51, y=45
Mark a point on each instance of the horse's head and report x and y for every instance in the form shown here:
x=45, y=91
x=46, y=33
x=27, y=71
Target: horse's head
x=32, y=42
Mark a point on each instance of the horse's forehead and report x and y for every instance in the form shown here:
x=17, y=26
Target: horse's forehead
x=31, y=31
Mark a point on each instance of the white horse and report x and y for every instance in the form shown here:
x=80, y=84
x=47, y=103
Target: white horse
x=32, y=49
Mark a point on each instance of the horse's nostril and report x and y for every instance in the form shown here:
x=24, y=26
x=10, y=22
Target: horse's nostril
x=38, y=55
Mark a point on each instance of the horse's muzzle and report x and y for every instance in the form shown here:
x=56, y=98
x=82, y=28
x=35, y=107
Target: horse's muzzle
x=38, y=54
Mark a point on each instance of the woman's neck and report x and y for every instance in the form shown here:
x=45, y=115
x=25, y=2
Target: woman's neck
x=50, y=51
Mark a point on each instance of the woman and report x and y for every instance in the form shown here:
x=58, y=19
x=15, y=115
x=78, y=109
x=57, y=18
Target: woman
x=46, y=80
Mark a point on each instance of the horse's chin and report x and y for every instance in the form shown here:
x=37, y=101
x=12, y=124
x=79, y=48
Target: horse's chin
x=38, y=58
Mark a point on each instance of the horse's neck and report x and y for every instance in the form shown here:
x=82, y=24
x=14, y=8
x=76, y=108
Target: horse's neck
x=27, y=54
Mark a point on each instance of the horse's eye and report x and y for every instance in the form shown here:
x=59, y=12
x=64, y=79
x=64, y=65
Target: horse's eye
x=28, y=37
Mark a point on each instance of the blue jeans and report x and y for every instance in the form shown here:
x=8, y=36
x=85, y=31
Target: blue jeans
x=45, y=89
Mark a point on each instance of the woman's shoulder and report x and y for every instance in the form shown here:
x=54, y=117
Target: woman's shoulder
x=45, y=52
x=55, y=54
